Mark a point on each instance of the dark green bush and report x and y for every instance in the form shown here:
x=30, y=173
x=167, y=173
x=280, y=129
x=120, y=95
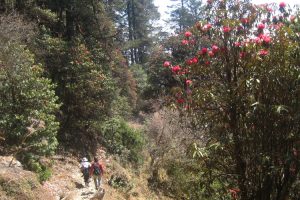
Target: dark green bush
x=32, y=163
x=119, y=137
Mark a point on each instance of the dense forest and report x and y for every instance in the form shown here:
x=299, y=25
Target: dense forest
x=218, y=99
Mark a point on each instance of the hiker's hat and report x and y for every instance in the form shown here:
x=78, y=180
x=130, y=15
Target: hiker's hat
x=84, y=159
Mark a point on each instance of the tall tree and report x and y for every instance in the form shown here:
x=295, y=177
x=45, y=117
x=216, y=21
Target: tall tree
x=140, y=16
x=77, y=46
x=27, y=99
x=185, y=13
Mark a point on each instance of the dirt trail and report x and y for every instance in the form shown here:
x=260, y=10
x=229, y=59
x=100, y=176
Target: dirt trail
x=81, y=192
x=67, y=181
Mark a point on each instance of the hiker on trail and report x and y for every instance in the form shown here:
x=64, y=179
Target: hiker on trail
x=96, y=171
x=85, y=166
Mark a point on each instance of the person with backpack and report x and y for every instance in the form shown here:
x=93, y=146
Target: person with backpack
x=85, y=166
x=96, y=171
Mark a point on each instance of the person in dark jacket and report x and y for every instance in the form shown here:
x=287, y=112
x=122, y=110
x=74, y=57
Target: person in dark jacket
x=85, y=166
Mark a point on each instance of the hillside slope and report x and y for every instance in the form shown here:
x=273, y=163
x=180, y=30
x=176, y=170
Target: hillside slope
x=66, y=182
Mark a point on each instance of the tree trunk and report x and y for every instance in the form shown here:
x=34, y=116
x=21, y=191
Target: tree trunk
x=70, y=20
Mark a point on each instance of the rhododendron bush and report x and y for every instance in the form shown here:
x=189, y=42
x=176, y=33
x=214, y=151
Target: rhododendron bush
x=239, y=83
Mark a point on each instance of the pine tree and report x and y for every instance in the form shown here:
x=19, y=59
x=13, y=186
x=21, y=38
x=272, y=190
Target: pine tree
x=140, y=15
x=185, y=13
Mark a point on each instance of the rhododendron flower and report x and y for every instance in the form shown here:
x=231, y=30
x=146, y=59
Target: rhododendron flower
x=215, y=48
x=237, y=44
x=211, y=54
x=167, y=64
x=226, y=29
x=180, y=100
x=245, y=21
x=188, y=34
x=242, y=54
x=176, y=69
x=184, y=42
x=282, y=5
x=180, y=71
x=203, y=51
x=188, y=82
x=261, y=26
x=207, y=63
x=195, y=60
x=265, y=38
x=209, y=1
x=189, y=62
x=192, y=61
x=263, y=52
x=257, y=40
x=206, y=27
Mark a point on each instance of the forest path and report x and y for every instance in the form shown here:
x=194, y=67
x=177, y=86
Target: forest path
x=81, y=192
x=67, y=181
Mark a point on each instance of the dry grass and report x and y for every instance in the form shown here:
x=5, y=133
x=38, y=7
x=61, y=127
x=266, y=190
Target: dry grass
x=19, y=184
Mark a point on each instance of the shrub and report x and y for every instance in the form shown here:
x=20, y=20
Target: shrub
x=118, y=137
x=28, y=103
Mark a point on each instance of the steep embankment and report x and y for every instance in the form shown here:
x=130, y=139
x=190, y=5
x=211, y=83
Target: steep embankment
x=19, y=184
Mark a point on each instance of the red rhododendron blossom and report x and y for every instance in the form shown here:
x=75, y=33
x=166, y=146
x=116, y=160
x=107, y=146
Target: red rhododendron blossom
x=188, y=82
x=184, y=71
x=226, y=29
x=167, y=64
x=257, y=40
x=245, y=21
x=211, y=54
x=192, y=61
x=209, y=1
x=203, y=51
x=181, y=100
x=207, y=63
x=265, y=38
x=184, y=42
x=242, y=54
x=282, y=4
x=263, y=52
x=188, y=34
x=206, y=27
x=215, y=48
x=195, y=60
x=237, y=44
x=260, y=26
x=189, y=62
x=176, y=69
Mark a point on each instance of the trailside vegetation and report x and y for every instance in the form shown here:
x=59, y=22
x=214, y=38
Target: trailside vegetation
x=238, y=81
